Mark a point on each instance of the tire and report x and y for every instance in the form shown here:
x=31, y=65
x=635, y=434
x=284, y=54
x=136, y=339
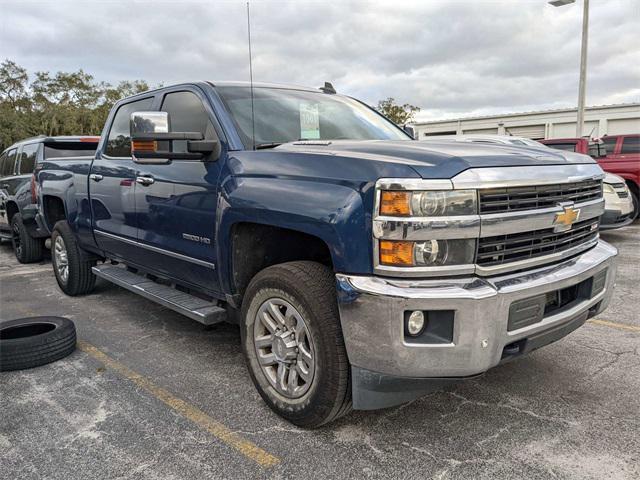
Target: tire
x=77, y=278
x=26, y=248
x=309, y=289
x=31, y=342
x=636, y=204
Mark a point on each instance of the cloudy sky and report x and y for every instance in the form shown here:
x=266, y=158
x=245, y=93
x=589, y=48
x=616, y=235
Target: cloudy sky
x=452, y=58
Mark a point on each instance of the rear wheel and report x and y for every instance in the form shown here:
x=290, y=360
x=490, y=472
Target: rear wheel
x=293, y=343
x=26, y=248
x=71, y=264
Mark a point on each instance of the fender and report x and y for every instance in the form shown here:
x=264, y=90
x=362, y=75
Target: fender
x=334, y=213
x=69, y=183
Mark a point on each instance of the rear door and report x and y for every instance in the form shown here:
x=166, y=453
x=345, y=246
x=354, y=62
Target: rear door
x=112, y=186
x=7, y=184
x=177, y=212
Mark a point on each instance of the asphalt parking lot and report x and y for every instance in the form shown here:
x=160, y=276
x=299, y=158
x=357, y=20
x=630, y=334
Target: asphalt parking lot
x=151, y=394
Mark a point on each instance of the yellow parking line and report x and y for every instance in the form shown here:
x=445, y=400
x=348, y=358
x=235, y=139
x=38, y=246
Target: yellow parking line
x=621, y=326
x=197, y=416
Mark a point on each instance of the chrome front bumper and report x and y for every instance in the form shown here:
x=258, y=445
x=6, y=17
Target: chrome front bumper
x=372, y=315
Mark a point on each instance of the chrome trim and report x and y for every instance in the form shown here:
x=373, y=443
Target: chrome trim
x=413, y=184
x=494, y=224
x=372, y=309
x=526, y=176
x=157, y=250
x=426, y=228
x=536, y=261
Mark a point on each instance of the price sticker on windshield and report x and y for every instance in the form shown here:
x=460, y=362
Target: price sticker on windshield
x=309, y=121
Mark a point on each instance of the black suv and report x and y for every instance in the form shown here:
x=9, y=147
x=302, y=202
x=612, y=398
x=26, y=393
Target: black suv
x=18, y=205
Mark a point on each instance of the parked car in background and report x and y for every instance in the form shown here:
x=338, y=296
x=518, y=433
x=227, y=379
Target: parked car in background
x=622, y=158
x=18, y=207
x=618, y=203
x=617, y=154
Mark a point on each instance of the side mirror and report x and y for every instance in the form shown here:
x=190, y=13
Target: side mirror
x=150, y=131
x=409, y=131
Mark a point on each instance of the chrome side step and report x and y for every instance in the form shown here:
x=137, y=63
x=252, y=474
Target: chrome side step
x=193, y=307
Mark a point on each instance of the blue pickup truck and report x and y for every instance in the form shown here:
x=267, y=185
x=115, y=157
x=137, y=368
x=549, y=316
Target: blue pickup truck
x=364, y=268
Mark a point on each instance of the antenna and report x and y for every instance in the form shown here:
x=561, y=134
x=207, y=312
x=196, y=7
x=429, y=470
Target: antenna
x=253, y=119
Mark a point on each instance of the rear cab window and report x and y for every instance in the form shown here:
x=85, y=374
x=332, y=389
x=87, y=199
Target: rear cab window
x=609, y=143
x=568, y=147
x=69, y=149
x=119, y=139
x=630, y=145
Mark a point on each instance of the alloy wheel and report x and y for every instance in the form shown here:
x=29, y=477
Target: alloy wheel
x=284, y=347
x=61, y=259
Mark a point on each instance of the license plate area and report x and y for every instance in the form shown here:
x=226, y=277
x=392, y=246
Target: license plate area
x=531, y=310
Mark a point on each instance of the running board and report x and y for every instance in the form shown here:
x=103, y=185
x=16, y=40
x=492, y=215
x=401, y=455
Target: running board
x=191, y=306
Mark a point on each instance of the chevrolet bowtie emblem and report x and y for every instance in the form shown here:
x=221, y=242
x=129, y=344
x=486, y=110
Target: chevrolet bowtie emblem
x=564, y=220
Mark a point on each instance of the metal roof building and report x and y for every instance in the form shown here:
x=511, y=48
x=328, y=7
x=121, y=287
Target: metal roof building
x=599, y=120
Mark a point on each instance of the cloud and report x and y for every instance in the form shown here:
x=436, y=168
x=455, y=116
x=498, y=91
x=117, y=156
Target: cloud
x=451, y=58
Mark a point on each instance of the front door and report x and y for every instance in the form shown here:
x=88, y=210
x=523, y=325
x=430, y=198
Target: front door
x=176, y=202
x=112, y=186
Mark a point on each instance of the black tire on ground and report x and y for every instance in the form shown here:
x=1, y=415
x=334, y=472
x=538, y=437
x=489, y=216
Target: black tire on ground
x=35, y=341
x=80, y=279
x=310, y=288
x=26, y=248
x=636, y=205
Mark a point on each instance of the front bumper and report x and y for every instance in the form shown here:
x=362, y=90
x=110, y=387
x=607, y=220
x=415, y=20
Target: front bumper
x=372, y=313
x=618, y=212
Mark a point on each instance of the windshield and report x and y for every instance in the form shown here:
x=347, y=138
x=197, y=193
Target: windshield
x=284, y=115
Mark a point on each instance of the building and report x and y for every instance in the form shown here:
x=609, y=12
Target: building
x=598, y=121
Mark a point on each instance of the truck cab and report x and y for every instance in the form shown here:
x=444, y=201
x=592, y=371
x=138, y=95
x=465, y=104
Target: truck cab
x=364, y=268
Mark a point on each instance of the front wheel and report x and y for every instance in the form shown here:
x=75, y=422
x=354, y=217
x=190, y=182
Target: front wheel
x=71, y=266
x=293, y=343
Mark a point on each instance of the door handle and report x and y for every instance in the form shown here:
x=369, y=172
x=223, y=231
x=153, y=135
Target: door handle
x=145, y=181
x=96, y=177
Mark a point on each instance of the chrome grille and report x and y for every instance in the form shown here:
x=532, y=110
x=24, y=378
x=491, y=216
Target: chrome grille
x=499, y=200
x=503, y=249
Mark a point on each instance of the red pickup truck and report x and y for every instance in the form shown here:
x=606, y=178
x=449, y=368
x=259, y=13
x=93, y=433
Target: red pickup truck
x=618, y=154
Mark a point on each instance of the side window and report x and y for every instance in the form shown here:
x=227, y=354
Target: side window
x=3, y=158
x=28, y=158
x=187, y=114
x=569, y=147
x=119, y=141
x=609, y=143
x=9, y=163
x=630, y=145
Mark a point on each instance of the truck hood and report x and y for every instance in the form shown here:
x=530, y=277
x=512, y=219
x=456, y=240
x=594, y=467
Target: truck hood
x=436, y=160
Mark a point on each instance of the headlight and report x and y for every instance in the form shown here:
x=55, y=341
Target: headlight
x=608, y=188
x=427, y=253
x=431, y=203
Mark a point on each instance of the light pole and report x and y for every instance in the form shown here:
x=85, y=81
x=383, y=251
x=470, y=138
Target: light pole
x=583, y=60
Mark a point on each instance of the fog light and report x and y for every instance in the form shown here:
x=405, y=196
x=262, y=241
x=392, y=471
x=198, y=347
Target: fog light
x=415, y=323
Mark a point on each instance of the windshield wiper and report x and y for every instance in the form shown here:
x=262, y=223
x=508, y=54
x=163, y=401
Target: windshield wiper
x=261, y=146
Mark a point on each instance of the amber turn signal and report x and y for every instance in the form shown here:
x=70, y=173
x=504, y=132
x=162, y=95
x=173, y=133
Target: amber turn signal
x=396, y=253
x=144, y=146
x=395, y=203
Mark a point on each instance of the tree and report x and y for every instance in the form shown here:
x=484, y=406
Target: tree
x=64, y=103
x=398, y=114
